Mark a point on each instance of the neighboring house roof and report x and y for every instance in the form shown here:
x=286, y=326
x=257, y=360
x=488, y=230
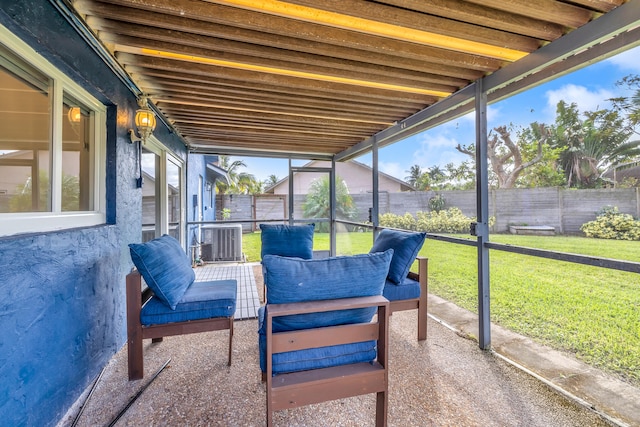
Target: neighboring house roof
x=621, y=172
x=404, y=186
x=216, y=173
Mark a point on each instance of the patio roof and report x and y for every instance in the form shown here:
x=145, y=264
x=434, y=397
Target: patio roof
x=327, y=79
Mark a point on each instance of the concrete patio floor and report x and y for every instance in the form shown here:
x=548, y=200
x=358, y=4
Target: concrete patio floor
x=444, y=381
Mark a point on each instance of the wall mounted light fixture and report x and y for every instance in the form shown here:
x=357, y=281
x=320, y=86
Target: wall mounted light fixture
x=74, y=115
x=145, y=122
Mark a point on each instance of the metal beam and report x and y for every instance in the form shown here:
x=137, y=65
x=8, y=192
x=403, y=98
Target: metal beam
x=332, y=208
x=267, y=152
x=291, y=173
x=482, y=225
x=375, y=209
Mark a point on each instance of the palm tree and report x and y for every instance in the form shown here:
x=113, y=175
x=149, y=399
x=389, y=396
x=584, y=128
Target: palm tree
x=436, y=174
x=271, y=180
x=246, y=183
x=316, y=204
x=415, y=172
x=590, y=146
x=232, y=171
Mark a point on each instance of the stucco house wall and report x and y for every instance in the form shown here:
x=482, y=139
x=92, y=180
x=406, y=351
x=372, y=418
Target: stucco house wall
x=63, y=307
x=356, y=175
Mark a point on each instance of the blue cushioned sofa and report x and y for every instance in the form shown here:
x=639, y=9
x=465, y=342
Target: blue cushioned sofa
x=318, y=337
x=404, y=289
x=172, y=303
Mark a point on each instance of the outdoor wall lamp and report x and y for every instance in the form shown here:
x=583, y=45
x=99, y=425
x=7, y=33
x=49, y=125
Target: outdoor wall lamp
x=74, y=115
x=145, y=122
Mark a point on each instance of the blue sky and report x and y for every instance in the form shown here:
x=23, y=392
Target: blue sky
x=589, y=88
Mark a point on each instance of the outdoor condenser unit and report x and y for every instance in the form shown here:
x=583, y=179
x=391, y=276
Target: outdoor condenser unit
x=222, y=242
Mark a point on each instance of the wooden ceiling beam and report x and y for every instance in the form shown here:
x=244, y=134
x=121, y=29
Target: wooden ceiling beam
x=284, y=82
x=381, y=13
x=460, y=10
x=204, y=46
x=159, y=86
x=140, y=17
x=262, y=133
x=201, y=112
x=270, y=108
x=412, y=81
x=266, y=102
x=564, y=14
x=213, y=13
x=600, y=5
x=239, y=124
x=151, y=74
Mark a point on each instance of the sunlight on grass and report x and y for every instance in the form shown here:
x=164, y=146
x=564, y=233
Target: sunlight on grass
x=588, y=311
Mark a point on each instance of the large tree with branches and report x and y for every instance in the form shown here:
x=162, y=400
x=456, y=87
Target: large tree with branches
x=505, y=156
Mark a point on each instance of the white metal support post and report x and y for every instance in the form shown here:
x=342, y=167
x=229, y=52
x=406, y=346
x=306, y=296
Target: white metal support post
x=482, y=226
x=290, y=193
x=332, y=208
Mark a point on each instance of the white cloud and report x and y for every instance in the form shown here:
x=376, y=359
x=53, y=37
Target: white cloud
x=392, y=168
x=493, y=114
x=585, y=99
x=437, y=149
x=627, y=61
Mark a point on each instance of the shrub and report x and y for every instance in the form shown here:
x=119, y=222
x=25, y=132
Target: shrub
x=437, y=202
x=612, y=224
x=405, y=222
x=451, y=220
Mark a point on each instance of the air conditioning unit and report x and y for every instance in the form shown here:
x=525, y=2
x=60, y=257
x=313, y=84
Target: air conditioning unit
x=222, y=242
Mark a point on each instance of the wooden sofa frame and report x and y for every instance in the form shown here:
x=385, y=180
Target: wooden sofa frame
x=136, y=332
x=290, y=390
x=417, y=303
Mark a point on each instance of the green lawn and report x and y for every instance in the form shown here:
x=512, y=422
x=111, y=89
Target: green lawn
x=591, y=312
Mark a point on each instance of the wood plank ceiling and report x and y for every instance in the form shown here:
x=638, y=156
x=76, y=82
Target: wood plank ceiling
x=315, y=77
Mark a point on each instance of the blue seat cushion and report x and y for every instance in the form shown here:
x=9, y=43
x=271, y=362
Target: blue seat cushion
x=315, y=358
x=408, y=289
x=165, y=267
x=203, y=300
x=294, y=280
x=287, y=240
x=405, y=245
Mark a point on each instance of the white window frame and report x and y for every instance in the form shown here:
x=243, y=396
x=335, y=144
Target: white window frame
x=34, y=222
x=153, y=145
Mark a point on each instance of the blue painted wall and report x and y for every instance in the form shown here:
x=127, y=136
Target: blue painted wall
x=197, y=167
x=62, y=311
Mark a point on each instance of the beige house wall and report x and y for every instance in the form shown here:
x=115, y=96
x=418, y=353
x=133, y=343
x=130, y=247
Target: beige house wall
x=357, y=177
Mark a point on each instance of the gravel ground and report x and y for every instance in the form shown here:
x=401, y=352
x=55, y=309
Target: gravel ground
x=444, y=381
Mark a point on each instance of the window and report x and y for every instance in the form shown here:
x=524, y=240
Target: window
x=162, y=192
x=51, y=142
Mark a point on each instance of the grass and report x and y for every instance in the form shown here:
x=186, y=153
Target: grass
x=593, y=313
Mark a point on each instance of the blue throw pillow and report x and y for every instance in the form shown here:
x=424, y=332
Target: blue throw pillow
x=294, y=280
x=287, y=240
x=165, y=267
x=405, y=245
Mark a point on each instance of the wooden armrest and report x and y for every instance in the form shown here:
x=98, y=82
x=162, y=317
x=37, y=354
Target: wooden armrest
x=134, y=285
x=276, y=310
x=422, y=268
